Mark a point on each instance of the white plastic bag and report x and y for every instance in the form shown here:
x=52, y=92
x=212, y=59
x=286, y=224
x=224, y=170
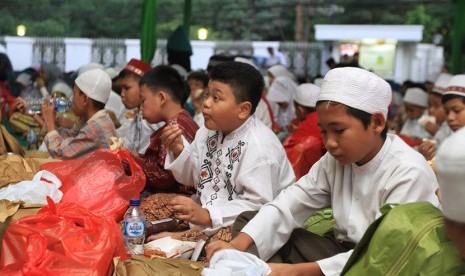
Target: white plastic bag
x=230, y=262
x=36, y=190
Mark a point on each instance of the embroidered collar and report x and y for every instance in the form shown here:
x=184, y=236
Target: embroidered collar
x=374, y=163
x=238, y=132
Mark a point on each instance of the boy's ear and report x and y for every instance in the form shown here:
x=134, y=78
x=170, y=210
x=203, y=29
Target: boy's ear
x=245, y=108
x=162, y=96
x=378, y=122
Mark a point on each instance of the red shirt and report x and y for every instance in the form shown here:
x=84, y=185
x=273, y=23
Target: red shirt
x=305, y=146
x=153, y=160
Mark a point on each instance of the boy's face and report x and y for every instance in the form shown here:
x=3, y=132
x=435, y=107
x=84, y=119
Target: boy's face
x=219, y=108
x=300, y=112
x=130, y=92
x=194, y=85
x=78, y=104
x=150, y=105
x=455, y=112
x=412, y=111
x=345, y=137
x=435, y=108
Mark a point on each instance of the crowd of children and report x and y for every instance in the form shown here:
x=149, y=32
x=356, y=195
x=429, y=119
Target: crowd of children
x=201, y=138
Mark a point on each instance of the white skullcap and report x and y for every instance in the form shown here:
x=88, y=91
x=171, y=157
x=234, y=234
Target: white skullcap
x=246, y=61
x=24, y=79
x=96, y=84
x=111, y=72
x=416, y=96
x=281, y=71
x=282, y=90
x=356, y=88
x=318, y=81
x=181, y=71
x=307, y=94
x=89, y=66
x=443, y=81
x=456, y=86
x=62, y=88
x=450, y=164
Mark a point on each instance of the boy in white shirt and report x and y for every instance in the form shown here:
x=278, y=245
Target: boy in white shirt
x=235, y=162
x=363, y=169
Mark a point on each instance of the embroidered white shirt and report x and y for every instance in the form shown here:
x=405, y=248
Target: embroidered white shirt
x=233, y=174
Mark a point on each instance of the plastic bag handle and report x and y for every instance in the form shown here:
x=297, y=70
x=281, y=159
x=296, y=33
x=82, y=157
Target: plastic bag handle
x=48, y=176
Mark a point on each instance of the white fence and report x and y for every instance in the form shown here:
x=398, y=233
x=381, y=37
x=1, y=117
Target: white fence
x=418, y=62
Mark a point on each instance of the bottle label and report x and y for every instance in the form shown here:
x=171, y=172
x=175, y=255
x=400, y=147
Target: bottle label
x=134, y=228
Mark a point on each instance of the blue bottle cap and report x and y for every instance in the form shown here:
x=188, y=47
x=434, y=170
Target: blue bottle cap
x=134, y=202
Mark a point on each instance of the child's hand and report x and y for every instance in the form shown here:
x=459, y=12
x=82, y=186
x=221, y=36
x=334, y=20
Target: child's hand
x=20, y=104
x=216, y=246
x=48, y=113
x=171, y=138
x=428, y=149
x=188, y=210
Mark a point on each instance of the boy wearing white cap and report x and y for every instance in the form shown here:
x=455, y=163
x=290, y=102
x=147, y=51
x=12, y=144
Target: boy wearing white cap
x=415, y=103
x=91, y=92
x=363, y=169
x=305, y=146
x=450, y=164
x=454, y=102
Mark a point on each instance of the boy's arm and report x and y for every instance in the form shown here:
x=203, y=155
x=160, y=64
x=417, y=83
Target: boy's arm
x=71, y=147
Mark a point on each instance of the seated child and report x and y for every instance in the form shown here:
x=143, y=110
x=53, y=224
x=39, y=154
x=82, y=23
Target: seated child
x=91, y=92
x=198, y=83
x=450, y=164
x=281, y=99
x=454, y=102
x=163, y=93
x=363, y=169
x=236, y=163
x=415, y=104
x=134, y=130
x=439, y=127
x=305, y=146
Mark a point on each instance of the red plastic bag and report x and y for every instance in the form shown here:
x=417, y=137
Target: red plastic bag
x=61, y=239
x=99, y=182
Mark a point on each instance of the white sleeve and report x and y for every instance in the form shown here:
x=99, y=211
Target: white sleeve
x=289, y=211
x=259, y=184
x=185, y=168
x=334, y=265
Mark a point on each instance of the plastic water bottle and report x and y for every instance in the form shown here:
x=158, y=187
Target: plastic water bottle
x=31, y=139
x=134, y=228
x=61, y=105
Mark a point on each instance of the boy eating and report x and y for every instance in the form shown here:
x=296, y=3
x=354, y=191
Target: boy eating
x=236, y=163
x=363, y=169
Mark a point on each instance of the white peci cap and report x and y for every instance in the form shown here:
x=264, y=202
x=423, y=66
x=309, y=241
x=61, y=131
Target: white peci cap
x=456, y=86
x=416, y=96
x=307, y=94
x=96, y=84
x=89, y=66
x=357, y=88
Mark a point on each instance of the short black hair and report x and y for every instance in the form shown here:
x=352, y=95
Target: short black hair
x=163, y=77
x=245, y=81
x=126, y=73
x=365, y=118
x=200, y=76
x=448, y=97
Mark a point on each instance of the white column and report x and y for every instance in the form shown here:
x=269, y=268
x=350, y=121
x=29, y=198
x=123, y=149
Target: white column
x=19, y=51
x=132, y=49
x=201, y=53
x=78, y=53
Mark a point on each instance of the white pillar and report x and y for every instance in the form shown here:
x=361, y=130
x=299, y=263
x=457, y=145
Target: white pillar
x=201, y=53
x=78, y=53
x=19, y=51
x=132, y=49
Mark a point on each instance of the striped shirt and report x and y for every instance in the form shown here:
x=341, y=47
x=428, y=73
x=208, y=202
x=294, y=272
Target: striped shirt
x=82, y=139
